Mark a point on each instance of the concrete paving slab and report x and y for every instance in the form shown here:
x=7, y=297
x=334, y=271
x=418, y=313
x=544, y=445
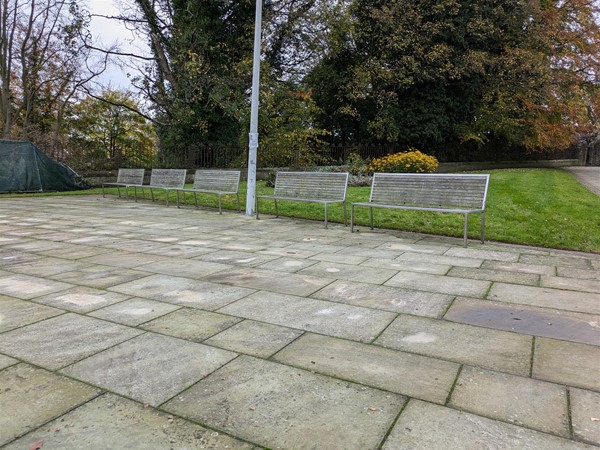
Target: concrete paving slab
x=188, y=268
x=270, y=280
x=575, y=262
x=571, y=284
x=127, y=260
x=409, y=266
x=440, y=284
x=183, y=291
x=403, y=373
x=254, y=338
x=62, y=340
x=546, y=297
x=431, y=249
x=475, y=253
x=387, y=298
x=46, y=266
x=112, y=422
x=149, y=354
x=332, y=319
x=10, y=257
x=134, y=311
x=350, y=272
x=27, y=287
x=180, y=251
x=7, y=361
x=81, y=299
x=585, y=408
x=567, y=363
x=481, y=347
x=427, y=426
x=337, y=258
x=522, y=401
x=236, y=258
x=282, y=407
x=440, y=259
x=582, y=274
x=290, y=265
x=15, y=313
x=531, y=320
x=73, y=251
x=538, y=269
x=33, y=396
x=99, y=277
x=372, y=253
x=495, y=275
x=191, y=324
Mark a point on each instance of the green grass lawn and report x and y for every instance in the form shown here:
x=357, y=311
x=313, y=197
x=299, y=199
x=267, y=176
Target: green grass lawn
x=540, y=207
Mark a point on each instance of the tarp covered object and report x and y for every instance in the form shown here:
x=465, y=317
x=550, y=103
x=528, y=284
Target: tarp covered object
x=25, y=168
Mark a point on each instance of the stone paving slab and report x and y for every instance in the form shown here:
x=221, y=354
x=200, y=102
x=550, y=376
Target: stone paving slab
x=440, y=284
x=112, y=422
x=149, y=355
x=430, y=249
x=183, y=291
x=27, y=287
x=31, y=396
x=254, y=338
x=566, y=261
x=81, y=299
x=585, y=407
x=495, y=275
x=427, y=426
x=403, y=373
x=191, y=324
x=46, y=266
x=9, y=257
x=492, y=349
x=571, y=284
x=441, y=259
x=409, y=266
x=313, y=411
x=537, y=269
x=549, y=363
x=6, y=361
x=521, y=319
x=475, y=253
x=15, y=313
x=127, y=260
x=62, y=340
x=332, y=319
x=530, y=403
x=99, y=277
x=350, y=272
x=290, y=265
x=188, y=268
x=134, y=311
x=582, y=274
x=387, y=298
x=546, y=297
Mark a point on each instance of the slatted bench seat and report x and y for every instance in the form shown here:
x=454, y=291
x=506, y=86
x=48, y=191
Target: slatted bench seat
x=167, y=180
x=127, y=178
x=449, y=193
x=220, y=182
x=315, y=187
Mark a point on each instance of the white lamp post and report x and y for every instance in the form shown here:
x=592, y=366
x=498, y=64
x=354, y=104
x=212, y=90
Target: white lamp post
x=253, y=135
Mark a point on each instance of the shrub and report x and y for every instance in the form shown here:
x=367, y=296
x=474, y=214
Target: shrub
x=411, y=161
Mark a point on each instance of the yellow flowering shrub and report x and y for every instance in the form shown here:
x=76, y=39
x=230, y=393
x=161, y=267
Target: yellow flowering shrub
x=411, y=161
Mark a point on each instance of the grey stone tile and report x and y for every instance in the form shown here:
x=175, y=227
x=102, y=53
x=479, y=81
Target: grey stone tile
x=409, y=266
x=31, y=396
x=585, y=406
x=538, y=269
x=440, y=284
x=188, y=268
x=418, y=247
x=495, y=275
x=571, y=284
x=99, y=277
x=522, y=401
x=27, y=287
x=236, y=258
x=10, y=257
x=372, y=253
x=136, y=368
x=551, y=323
x=15, y=313
x=333, y=319
x=481, y=347
x=387, y=298
x=62, y=340
x=565, y=261
x=81, y=299
x=412, y=375
x=134, y=311
x=339, y=258
x=287, y=252
x=36, y=246
x=270, y=280
x=433, y=427
x=350, y=272
x=127, y=260
x=191, y=324
x=183, y=291
x=111, y=422
x=483, y=254
x=582, y=274
x=440, y=259
x=546, y=297
x=254, y=338
x=567, y=363
x=6, y=361
x=73, y=251
x=180, y=251
x=278, y=406
x=289, y=265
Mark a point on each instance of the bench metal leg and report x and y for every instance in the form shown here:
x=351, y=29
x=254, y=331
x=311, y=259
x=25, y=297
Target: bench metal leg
x=351, y=218
x=167, y=197
x=195, y=200
x=238, y=200
x=103, y=192
x=466, y=228
x=325, y=215
x=482, y=227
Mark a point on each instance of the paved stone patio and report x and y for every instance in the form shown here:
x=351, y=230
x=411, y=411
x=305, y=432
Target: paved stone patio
x=133, y=325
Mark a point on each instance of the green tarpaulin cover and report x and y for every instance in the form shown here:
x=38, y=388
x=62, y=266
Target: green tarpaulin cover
x=25, y=168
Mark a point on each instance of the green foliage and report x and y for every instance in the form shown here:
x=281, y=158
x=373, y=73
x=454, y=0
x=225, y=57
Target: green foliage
x=411, y=161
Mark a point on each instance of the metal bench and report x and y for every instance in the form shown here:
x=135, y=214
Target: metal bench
x=168, y=180
x=220, y=182
x=456, y=193
x=127, y=178
x=316, y=187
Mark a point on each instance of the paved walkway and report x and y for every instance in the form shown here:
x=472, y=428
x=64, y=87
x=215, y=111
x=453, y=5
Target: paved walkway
x=132, y=326
x=588, y=175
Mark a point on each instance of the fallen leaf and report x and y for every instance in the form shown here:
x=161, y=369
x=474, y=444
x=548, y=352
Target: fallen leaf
x=594, y=419
x=37, y=445
x=170, y=419
x=252, y=408
x=372, y=408
x=146, y=405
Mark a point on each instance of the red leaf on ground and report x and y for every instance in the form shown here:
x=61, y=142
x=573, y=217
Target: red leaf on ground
x=37, y=446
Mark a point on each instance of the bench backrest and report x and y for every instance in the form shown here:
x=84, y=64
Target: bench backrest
x=131, y=176
x=312, y=185
x=445, y=190
x=171, y=178
x=217, y=180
